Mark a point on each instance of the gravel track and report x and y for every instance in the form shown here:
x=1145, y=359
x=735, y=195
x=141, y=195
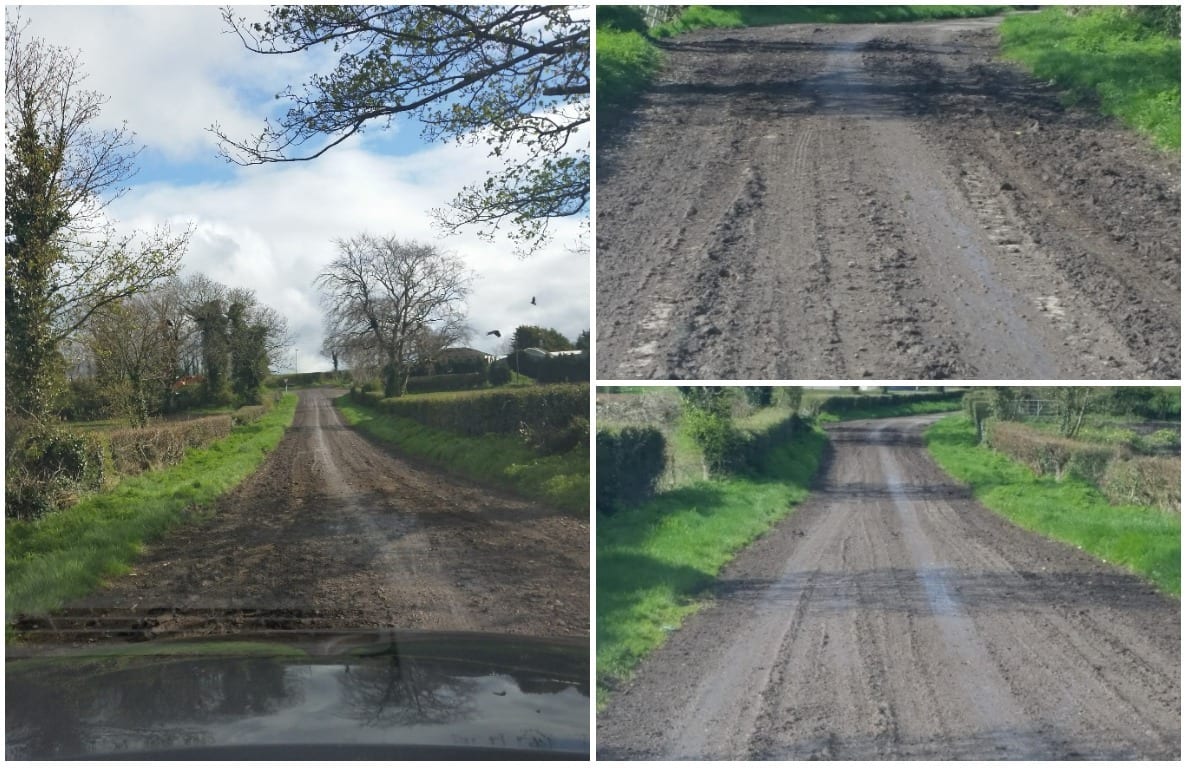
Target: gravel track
x=879, y=200
x=334, y=532
x=893, y=617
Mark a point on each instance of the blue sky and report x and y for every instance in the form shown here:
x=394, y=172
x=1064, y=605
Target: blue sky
x=171, y=72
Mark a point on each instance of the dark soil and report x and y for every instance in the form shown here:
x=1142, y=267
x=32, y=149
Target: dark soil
x=334, y=532
x=893, y=617
x=879, y=200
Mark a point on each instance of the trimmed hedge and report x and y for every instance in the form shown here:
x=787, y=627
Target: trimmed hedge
x=248, y=413
x=630, y=462
x=552, y=369
x=538, y=410
x=843, y=404
x=446, y=382
x=49, y=468
x=136, y=450
x=1148, y=480
x=756, y=446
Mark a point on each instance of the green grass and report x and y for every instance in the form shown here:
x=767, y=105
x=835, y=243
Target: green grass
x=1142, y=539
x=881, y=411
x=504, y=461
x=1107, y=55
x=655, y=560
x=704, y=16
x=627, y=61
x=67, y=554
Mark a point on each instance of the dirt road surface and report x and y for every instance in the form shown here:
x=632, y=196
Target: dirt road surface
x=879, y=200
x=335, y=532
x=893, y=617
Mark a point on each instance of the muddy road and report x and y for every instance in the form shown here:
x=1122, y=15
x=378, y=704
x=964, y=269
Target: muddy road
x=880, y=201
x=334, y=532
x=893, y=617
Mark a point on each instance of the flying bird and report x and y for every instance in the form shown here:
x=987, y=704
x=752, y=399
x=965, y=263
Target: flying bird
x=496, y=334
x=534, y=301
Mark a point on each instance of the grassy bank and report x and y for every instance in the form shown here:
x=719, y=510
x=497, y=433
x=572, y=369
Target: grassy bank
x=1141, y=539
x=67, y=554
x=655, y=559
x=504, y=461
x=627, y=61
x=731, y=17
x=1125, y=61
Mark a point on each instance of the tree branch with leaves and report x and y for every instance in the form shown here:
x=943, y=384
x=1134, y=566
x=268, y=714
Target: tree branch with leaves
x=516, y=78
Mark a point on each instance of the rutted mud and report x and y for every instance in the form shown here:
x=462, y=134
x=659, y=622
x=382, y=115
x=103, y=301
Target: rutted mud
x=894, y=617
x=879, y=200
x=334, y=532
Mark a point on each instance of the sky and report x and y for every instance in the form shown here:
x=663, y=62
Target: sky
x=171, y=73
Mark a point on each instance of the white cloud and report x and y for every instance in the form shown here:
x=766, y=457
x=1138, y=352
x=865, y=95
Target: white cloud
x=272, y=229
x=173, y=71
x=170, y=72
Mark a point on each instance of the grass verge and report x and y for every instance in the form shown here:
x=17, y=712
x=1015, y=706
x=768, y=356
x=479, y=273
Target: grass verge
x=1114, y=56
x=560, y=480
x=655, y=560
x=627, y=61
x=723, y=17
x=67, y=554
x=1142, y=539
x=882, y=411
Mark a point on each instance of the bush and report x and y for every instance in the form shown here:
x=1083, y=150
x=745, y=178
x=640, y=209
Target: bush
x=625, y=18
x=759, y=397
x=630, y=462
x=845, y=404
x=756, y=447
x=445, y=382
x=707, y=419
x=82, y=401
x=499, y=374
x=1147, y=480
x=1042, y=454
x=1089, y=462
x=978, y=406
x=539, y=411
x=47, y=468
x=553, y=370
x=1159, y=441
x=248, y=413
x=135, y=450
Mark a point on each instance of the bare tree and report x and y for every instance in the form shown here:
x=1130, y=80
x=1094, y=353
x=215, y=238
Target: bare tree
x=391, y=304
x=64, y=258
x=134, y=348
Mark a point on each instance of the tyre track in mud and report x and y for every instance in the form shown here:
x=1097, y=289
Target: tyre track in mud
x=891, y=616
x=335, y=532
x=808, y=202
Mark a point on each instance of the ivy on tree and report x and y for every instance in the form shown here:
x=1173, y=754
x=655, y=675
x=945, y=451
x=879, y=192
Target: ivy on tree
x=514, y=77
x=64, y=260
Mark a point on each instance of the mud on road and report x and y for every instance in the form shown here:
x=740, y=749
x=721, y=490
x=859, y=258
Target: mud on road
x=879, y=200
x=891, y=616
x=334, y=532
